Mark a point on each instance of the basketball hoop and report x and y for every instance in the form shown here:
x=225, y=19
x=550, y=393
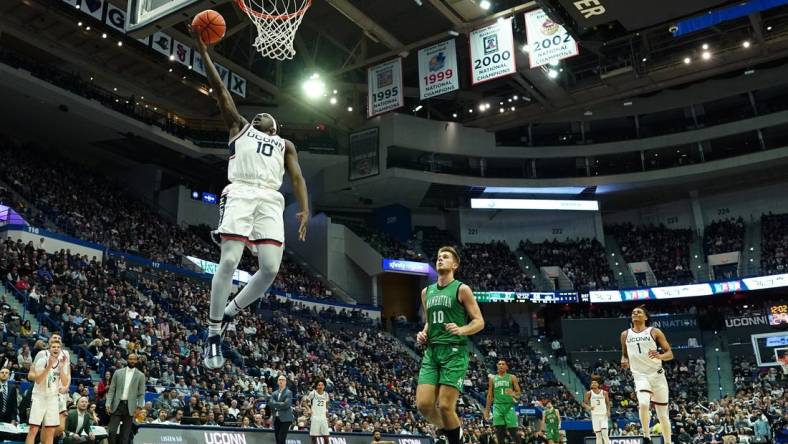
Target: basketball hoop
x=277, y=22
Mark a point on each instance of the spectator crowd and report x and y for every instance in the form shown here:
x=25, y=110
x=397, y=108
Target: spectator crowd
x=582, y=260
x=666, y=250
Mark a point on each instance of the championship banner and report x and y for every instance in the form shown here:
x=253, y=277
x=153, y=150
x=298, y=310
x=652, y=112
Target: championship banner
x=363, y=154
x=547, y=41
x=181, y=52
x=384, y=84
x=492, y=51
x=438, y=70
x=116, y=18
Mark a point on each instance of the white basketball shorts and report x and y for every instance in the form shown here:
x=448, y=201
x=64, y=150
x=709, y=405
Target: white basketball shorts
x=654, y=383
x=62, y=403
x=318, y=427
x=251, y=214
x=599, y=422
x=44, y=410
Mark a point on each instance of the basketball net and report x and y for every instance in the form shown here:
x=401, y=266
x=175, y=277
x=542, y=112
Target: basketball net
x=277, y=22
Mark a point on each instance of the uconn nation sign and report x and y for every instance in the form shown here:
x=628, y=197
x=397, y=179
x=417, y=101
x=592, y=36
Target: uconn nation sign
x=167, y=434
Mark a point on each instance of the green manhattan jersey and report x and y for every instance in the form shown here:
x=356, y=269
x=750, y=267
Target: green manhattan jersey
x=500, y=385
x=443, y=307
x=551, y=419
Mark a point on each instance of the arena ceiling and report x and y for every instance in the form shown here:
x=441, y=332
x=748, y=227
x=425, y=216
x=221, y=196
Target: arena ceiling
x=628, y=54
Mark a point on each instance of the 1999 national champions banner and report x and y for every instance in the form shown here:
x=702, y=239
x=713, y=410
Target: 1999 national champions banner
x=438, y=70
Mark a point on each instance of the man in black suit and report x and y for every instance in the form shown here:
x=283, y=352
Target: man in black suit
x=281, y=404
x=9, y=404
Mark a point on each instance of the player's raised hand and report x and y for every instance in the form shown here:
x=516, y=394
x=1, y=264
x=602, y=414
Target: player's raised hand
x=624, y=363
x=453, y=328
x=486, y=415
x=198, y=43
x=303, y=221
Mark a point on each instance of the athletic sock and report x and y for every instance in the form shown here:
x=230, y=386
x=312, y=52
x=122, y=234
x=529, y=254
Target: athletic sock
x=214, y=327
x=453, y=435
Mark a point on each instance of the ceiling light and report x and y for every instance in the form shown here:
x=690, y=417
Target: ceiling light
x=705, y=46
x=515, y=98
x=314, y=87
x=417, y=108
x=481, y=107
x=120, y=43
x=485, y=4
x=170, y=70
x=335, y=92
x=87, y=28
x=470, y=111
x=79, y=23
x=104, y=35
x=552, y=73
x=706, y=55
x=513, y=108
x=687, y=60
x=454, y=115
x=768, y=28
x=114, y=89
x=643, y=59
x=172, y=57
x=350, y=109
x=453, y=33
x=745, y=44
x=210, y=90
x=91, y=78
x=749, y=72
x=628, y=103
x=333, y=100
x=502, y=110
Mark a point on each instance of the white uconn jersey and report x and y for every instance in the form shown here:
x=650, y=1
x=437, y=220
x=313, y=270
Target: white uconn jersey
x=51, y=385
x=319, y=404
x=256, y=159
x=638, y=346
x=598, y=404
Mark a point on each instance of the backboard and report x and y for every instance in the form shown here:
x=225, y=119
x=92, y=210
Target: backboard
x=770, y=348
x=144, y=17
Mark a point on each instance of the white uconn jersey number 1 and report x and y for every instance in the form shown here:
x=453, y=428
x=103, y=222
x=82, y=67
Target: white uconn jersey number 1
x=257, y=159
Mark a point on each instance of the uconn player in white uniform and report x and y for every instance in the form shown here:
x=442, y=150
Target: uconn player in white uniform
x=51, y=375
x=250, y=209
x=318, y=422
x=640, y=354
x=597, y=403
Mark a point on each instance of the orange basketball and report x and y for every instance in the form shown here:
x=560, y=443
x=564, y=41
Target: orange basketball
x=211, y=26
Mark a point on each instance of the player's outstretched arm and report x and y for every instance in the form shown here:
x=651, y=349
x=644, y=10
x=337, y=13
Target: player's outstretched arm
x=624, y=354
x=662, y=341
x=232, y=118
x=299, y=187
x=476, y=324
x=607, y=402
x=587, y=401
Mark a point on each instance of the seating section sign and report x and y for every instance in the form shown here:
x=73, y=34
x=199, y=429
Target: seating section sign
x=438, y=70
x=492, y=51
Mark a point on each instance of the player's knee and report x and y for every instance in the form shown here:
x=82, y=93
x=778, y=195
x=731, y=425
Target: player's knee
x=445, y=407
x=269, y=268
x=425, y=406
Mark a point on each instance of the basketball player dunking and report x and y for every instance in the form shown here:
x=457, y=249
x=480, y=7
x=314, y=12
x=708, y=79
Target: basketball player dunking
x=250, y=208
x=639, y=354
x=597, y=402
x=452, y=315
x=503, y=391
x=317, y=403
